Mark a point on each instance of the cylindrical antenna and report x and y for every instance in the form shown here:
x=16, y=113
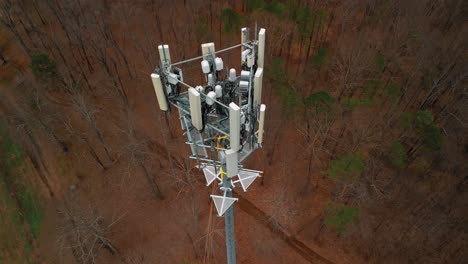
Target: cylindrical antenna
x=211, y=98
x=219, y=91
x=232, y=74
x=219, y=64
x=205, y=65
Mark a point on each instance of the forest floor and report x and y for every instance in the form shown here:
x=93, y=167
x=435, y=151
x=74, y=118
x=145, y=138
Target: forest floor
x=272, y=220
x=272, y=223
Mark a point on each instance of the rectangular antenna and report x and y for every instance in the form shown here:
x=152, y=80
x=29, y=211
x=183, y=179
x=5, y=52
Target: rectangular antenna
x=162, y=101
x=208, y=48
x=232, y=163
x=261, y=47
x=258, y=79
x=234, y=126
x=244, y=37
x=164, y=54
x=261, y=123
x=195, y=108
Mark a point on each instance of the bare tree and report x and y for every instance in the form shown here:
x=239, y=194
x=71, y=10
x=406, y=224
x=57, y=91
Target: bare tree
x=137, y=154
x=101, y=53
x=319, y=115
x=351, y=64
x=35, y=113
x=282, y=211
x=75, y=133
x=88, y=112
x=7, y=20
x=84, y=230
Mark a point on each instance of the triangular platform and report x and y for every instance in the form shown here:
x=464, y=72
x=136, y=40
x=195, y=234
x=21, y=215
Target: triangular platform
x=247, y=178
x=222, y=203
x=210, y=174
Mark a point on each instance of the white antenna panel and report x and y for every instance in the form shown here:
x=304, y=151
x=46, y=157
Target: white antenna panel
x=164, y=54
x=258, y=79
x=195, y=108
x=232, y=163
x=159, y=92
x=261, y=123
x=234, y=126
x=261, y=47
x=244, y=37
x=207, y=50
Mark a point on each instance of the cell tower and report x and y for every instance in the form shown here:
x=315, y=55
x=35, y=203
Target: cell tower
x=225, y=115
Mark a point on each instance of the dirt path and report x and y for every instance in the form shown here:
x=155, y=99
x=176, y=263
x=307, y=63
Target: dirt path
x=307, y=253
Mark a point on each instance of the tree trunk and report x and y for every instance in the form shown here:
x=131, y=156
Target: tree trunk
x=154, y=186
x=94, y=154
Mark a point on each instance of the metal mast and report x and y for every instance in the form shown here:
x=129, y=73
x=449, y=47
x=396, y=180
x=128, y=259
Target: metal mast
x=221, y=116
x=229, y=221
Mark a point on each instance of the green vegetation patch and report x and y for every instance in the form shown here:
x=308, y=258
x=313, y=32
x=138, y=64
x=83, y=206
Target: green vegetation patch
x=321, y=101
x=307, y=20
x=372, y=87
x=43, y=67
x=398, y=156
x=366, y=101
x=280, y=83
x=254, y=5
x=319, y=58
x=22, y=215
x=422, y=122
x=13, y=247
x=349, y=103
x=340, y=216
x=393, y=91
x=33, y=213
x=423, y=119
x=275, y=7
x=202, y=30
x=406, y=119
x=380, y=63
x=432, y=137
x=231, y=20
x=346, y=167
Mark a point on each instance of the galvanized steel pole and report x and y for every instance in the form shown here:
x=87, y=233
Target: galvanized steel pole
x=229, y=221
